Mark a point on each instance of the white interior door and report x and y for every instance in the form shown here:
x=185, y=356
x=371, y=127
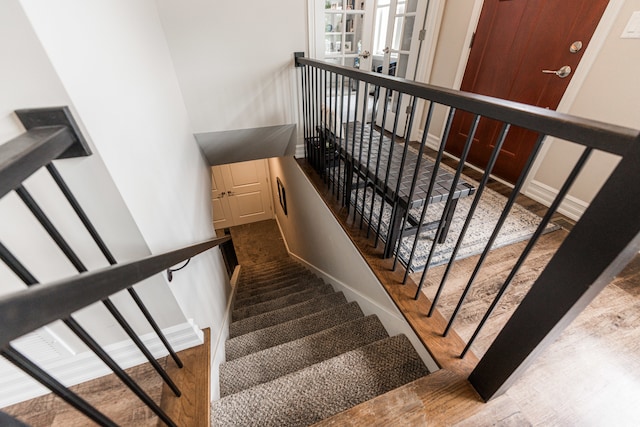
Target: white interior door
x=242, y=194
x=399, y=23
x=219, y=201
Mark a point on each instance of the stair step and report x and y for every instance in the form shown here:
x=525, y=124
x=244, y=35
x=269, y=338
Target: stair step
x=242, y=294
x=324, y=389
x=266, y=272
x=284, y=261
x=277, y=292
x=267, y=365
x=291, y=330
x=286, y=314
x=249, y=284
x=278, y=303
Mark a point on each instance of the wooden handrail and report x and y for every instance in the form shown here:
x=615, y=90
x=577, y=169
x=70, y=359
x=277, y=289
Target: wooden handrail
x=591, y=133
x=24, y=311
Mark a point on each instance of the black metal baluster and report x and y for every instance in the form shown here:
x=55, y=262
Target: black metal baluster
x=376, y=100
x=325, y=124
x=414, y=180
x=379, y=163
x=360, y=148
x=346, y=197
x=441, y=224
x=305, y=127
x=110, y=258
x=334, y=137
x=367, y=178
x=388, y=172
x=496, y=230
x=534, y=239
x=30, y=280
x=390, y=245
x=31, y=369
x=353, y=149
x=476, y=200
x=73, y=258
x=432, y=181
x=314, y=142
x=339, y=136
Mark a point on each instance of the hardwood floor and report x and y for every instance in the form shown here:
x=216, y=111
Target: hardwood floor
x=590, y=376
x=111, y=397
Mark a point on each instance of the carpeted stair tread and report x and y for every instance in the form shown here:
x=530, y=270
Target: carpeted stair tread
x=251, y=284
x=272, y=293
x=324, y=389
x=271, y=272
x=284, y=301
x=286, y=314
x=274, y=362
x=243, y=294
x=291, y=330
x=270, y=264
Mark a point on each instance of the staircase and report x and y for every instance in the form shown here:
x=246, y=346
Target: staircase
x=298, y=352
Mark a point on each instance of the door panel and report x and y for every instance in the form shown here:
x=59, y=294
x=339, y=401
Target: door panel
x=404, y=22
x=219, y=201
x=516, y=40
x=246, y=195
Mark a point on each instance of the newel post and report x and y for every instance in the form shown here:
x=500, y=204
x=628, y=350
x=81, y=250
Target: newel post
x=600, y=245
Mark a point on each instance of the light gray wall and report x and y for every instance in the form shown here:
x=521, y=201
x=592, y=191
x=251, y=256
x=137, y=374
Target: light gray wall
x=313, y=235
x=147, y=186
x=233, y=60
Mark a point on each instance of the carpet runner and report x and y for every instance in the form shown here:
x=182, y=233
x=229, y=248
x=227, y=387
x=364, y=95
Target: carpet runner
x=298, y=352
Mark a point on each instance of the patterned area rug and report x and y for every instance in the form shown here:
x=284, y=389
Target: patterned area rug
x=520, y=225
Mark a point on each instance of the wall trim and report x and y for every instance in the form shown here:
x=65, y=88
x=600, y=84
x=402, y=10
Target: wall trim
x=227, y=312
x=571, y=207
x=17, y=386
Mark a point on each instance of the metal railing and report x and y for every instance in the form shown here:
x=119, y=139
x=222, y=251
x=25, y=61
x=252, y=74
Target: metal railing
x=52, y=134
x=345, y=116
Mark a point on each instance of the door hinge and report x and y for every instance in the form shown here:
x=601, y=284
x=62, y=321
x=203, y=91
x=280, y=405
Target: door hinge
x=422, y=35
x=473, y=38
x=408, y=109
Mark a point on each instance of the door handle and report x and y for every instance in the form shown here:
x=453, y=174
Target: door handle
x=230, y=193
x=562, y=72
x=365, y=54
x=224, y=193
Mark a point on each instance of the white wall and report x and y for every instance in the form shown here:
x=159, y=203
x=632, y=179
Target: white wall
x=233, y=60
x=147, y=186
x=313, y=235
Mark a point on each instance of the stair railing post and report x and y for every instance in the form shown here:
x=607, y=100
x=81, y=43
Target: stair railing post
x=600, y=245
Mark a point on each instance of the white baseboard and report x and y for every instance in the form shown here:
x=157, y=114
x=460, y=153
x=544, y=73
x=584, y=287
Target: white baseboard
x=15, y=386
x=571, y=207
x=218, y=353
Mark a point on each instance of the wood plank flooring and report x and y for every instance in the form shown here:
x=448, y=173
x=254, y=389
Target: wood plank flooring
x=590, y=376
x=111, y=397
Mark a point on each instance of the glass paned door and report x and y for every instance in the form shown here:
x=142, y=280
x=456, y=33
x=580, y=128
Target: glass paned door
x=398, y=23
x=347, y=32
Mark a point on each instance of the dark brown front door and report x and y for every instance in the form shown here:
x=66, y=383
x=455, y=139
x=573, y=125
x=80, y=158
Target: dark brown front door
x=515, y=41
